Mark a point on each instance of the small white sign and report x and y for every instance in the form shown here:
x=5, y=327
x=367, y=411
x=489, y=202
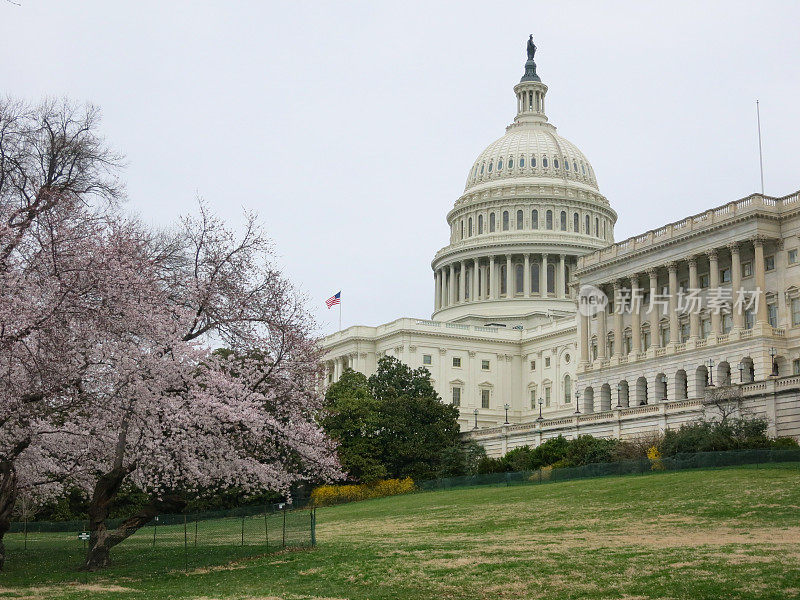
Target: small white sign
x=83, y=535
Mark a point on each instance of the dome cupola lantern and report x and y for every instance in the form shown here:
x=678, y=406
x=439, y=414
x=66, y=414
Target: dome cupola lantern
x=530, y=91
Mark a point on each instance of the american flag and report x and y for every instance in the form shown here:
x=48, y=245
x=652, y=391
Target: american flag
x=334, y=300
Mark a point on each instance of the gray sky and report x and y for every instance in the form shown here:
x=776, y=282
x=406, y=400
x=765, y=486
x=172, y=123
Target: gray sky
x=350, y=127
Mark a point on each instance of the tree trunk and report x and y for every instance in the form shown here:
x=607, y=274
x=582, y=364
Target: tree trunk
x=8, y=497
x=101, y=540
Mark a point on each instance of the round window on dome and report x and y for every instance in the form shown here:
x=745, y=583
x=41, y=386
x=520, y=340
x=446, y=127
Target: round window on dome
x=490, y=166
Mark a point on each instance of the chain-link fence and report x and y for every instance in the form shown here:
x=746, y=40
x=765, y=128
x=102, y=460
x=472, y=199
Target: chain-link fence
x=172, y=541
x=697, y=460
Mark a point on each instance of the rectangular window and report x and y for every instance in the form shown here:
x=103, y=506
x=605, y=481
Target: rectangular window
x=795, y=312
x=664, y=336
x=627, y=344
x=727, y=323
x=772, y=314
x=683, y=285
x=456, y=361
x=704, y=281
x=705, y=328
x=485, y=365
x=769, y=263
x=747, y=269
x=533, y=365
x=484, y=398
x=646, y=339
x=791, y=256
x=725, y=275
x=456, y=396
x=796, y=366
x=533, y=399
x=427, y=359
x=547, y=362
x=749, y=319
x=685, y=331
x=547, y=396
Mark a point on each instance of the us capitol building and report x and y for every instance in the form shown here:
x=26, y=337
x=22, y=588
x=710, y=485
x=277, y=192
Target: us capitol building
x=507, y=344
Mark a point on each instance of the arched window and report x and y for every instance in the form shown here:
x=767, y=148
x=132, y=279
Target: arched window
x=604, y=230
x=551, y=279
x=490, y=166
x=500, y=164
x=467, y=286
x=574, y=166
x=469, y=227
x=555, y=163
x=597, y=227
x=566, y=164
x=576, y=223
x=587, y=229
x=567, y=388
x=491, y=222
x=535, y=219
x=505, y=220
x=535, y=277
x=583, y=169
x=533, y=161
x=482, y=166
x=521, y=162
x=511, y=162
x=520, y=277
x=563, y=220
x=519, y=219
x=503, y=279
x=462, y=229
x=544, y=162
x=480, y=224
x=548, y=219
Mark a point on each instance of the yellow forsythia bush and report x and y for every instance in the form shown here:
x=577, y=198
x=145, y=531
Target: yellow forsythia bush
x=328, y=495
x=654, y=456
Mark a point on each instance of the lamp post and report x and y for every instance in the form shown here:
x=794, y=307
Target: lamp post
x=619, y=395
x=741, y=371
x=710, y=365
x=577, y=402
x=772, y=354
x=506, y=406
x=540, y=409
x=475, y=412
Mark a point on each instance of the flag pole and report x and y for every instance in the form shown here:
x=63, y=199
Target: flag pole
x=760, y=156
x=340, y=313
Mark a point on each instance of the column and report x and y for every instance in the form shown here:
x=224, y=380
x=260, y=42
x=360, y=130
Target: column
x=602, y=335
x=509, y=292
x=736, y=285
x=655, y=341
x=527, y=276
x=543, y=277
x=437, y=296
x=562, y=274
x=451, y=285
x=761, y=284
x=636, y=316
x=713, y=283
x=462, y=281
x=583, y=330
x=476, y=270
x=694, y=315
x=492, y=279
x=618, y=324
x=674, y=333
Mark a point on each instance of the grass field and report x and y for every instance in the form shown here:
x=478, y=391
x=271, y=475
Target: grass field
x=722, y=533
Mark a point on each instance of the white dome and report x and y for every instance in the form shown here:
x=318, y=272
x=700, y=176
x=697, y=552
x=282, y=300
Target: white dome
x=531, y=150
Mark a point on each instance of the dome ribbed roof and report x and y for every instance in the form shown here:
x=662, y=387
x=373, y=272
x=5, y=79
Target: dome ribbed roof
x=531, y=150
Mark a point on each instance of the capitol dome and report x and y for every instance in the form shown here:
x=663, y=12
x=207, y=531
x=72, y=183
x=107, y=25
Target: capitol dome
x=530, y=208
x=531, y=150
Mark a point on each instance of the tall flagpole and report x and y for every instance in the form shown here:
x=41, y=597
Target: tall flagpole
x=340, y=311
x=760, y=156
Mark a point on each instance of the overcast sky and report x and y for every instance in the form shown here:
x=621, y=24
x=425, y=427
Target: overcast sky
x=350, y=127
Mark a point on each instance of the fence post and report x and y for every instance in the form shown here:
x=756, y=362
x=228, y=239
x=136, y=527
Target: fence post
x=185, y=544
x=266, y=527
x=313, y=527
x=284, y=526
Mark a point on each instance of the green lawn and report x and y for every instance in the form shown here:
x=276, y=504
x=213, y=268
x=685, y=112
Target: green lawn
x=723, y=533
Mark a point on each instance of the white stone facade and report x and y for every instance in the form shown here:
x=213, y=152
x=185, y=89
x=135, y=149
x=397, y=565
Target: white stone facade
x=507, y=345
